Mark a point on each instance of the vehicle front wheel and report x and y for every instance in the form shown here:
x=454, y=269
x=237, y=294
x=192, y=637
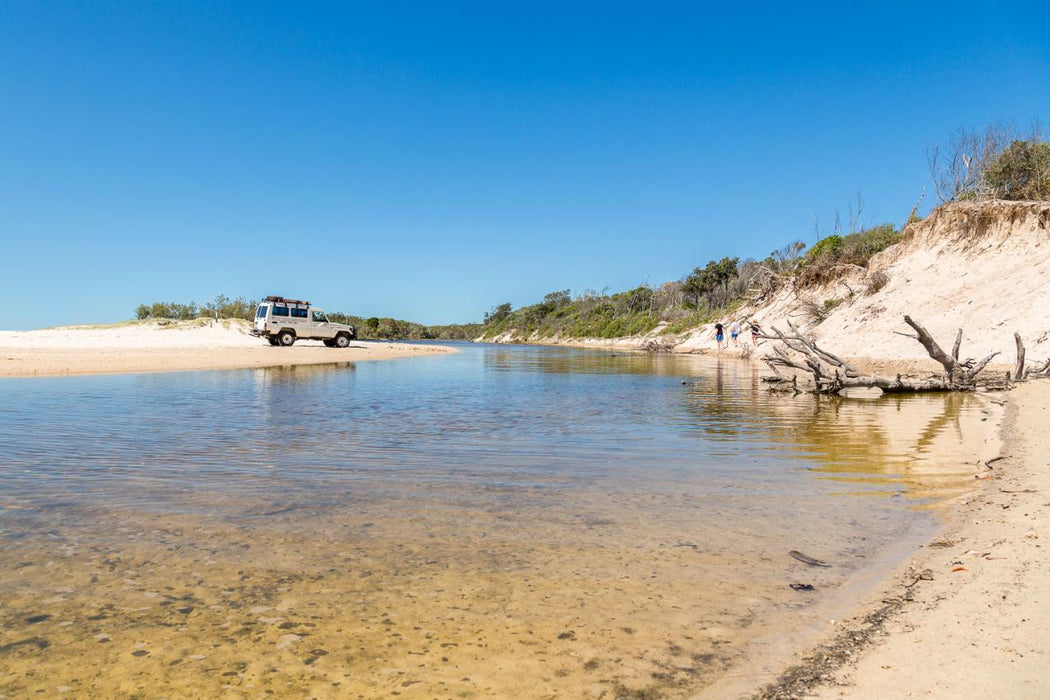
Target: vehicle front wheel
x=342, y=340
x=328, y=343
x=286, y=338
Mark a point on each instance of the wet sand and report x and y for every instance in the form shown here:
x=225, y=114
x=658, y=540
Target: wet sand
x=171, y=347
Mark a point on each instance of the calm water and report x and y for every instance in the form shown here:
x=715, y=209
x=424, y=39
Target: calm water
x=504, y=521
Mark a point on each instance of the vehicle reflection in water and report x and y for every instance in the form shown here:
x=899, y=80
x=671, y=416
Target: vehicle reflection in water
x=506, y=521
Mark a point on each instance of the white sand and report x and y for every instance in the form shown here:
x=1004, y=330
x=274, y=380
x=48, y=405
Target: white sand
x=148, y=334
x=155, y=347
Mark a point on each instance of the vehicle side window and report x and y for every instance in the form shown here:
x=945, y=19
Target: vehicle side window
x=300, y=313
x=320, y=317
x=280, y=311
x=261, y=312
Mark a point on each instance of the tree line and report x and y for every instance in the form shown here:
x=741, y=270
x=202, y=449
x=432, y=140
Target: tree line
x=369, y=328
x=709, y=292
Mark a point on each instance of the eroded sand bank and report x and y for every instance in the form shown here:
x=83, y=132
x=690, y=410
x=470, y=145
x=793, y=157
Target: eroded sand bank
x=153, y=347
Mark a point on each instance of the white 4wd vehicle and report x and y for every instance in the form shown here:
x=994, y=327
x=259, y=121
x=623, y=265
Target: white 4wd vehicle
x=283, y=321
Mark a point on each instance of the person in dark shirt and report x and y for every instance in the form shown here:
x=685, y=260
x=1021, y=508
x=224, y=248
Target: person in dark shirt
x=720, y=334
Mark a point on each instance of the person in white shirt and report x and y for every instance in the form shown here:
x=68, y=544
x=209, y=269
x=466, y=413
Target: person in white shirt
x=734, y=332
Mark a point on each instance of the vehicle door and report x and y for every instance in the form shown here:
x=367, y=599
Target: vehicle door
x=321, y=326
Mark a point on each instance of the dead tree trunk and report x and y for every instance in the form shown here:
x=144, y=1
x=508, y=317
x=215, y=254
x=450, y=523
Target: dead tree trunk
x=1019, y=367
x=831, y=374
x=959, y=373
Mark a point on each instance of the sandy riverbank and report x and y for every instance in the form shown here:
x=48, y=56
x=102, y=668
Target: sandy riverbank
x=966, y=617
x=153, y=347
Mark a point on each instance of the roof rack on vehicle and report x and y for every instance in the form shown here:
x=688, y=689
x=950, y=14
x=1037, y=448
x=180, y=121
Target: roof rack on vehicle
x=282, y=300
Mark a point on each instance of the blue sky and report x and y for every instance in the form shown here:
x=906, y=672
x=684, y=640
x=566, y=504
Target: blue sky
x=430, y=160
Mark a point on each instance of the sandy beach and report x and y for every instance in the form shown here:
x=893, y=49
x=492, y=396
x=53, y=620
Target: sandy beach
x=170, y=347
x=966, y=617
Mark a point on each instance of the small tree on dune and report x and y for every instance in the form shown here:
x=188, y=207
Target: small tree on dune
x=1022, y=171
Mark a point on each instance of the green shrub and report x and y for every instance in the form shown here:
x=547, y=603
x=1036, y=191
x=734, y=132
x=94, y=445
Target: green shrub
x=824, y=248
x=821, y=262
x=1022, y=171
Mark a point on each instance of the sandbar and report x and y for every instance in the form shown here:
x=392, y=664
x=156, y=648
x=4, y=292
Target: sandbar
x=173, y=346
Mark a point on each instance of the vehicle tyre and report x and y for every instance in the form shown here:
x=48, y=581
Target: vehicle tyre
x=272, y=340
x=328, y=343
x=285, y=338
x=342, y=340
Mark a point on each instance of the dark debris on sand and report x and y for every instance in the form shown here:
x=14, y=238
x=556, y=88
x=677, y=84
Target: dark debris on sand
x=820, y=668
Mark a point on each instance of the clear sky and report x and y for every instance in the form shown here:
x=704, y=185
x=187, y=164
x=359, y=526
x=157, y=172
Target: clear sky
x=430, y=160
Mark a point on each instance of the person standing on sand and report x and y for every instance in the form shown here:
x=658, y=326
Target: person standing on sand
x=734, y=332
x=720, y=335
x=754, y=335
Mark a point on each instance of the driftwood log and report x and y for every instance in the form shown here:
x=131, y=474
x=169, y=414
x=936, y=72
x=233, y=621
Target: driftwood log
x=831, y=374
x=1023, y=372
x=1038, y=369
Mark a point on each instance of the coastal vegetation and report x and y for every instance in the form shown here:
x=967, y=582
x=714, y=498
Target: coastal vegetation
x=709, y=292
x=996, y=162
x=370, y=328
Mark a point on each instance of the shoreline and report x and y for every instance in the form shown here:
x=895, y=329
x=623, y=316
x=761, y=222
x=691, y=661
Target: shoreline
x=907, y=366
x=178, y=347
x=965, y=615
x=913, y=366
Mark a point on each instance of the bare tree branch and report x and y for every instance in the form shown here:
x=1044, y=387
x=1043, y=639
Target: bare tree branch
x=1019, y=367
x=832, y=374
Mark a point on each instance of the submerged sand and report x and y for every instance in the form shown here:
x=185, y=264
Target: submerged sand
x=172, y=346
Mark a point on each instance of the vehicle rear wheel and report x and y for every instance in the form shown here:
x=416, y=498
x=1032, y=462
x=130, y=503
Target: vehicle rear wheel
x=342, y=340
x=286, y=338
x=272, y=340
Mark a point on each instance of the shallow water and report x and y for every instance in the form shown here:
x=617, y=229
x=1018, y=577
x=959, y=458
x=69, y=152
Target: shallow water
x=511, y=521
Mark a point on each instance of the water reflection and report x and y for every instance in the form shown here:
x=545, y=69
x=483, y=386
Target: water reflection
x=297, y=374
x=916, y=444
